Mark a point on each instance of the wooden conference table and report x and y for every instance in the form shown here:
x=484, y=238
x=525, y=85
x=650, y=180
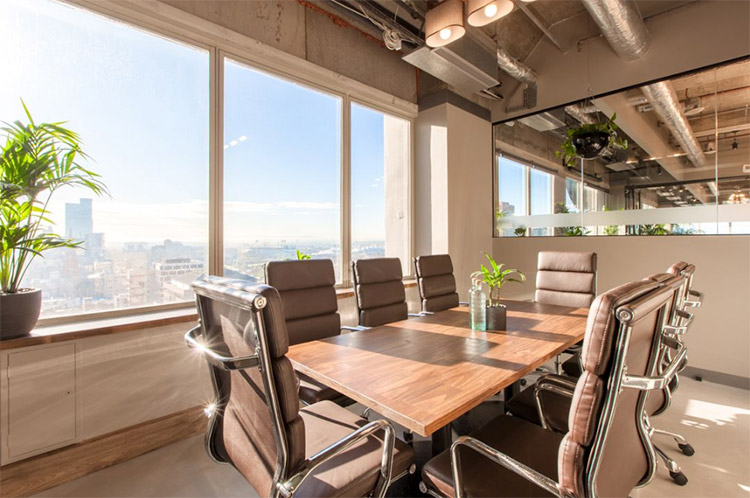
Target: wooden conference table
x=425, y=372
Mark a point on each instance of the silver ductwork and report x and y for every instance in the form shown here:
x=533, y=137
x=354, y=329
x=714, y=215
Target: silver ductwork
x=516, y=68
x=666, y=104
x=622, y=26
x=580, y=113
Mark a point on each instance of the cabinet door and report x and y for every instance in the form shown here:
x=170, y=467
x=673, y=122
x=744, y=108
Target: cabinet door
x=41, y=399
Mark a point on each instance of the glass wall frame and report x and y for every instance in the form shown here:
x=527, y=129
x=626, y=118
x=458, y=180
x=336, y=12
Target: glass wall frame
x=175, y=25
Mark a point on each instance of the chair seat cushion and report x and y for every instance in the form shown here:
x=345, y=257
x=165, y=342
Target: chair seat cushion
x=555, y=407
x=311, y=391
x=517, y=438
x=355, y=471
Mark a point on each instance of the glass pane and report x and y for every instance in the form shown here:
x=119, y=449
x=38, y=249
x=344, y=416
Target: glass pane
x=540, y=197
x=511, y=188
x=665, y=158
x=140, y=104
x=380, y=148
x=282, y=162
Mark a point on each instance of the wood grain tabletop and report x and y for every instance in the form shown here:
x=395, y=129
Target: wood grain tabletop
x=424, y=372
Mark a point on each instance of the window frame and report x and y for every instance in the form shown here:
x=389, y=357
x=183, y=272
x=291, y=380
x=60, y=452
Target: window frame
x=178, y=26
x=527, y=167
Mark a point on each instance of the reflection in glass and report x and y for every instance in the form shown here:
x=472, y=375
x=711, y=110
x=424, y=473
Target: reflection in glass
x=682, y=172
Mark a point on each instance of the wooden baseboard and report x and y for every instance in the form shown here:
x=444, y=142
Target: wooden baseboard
x=41, y=472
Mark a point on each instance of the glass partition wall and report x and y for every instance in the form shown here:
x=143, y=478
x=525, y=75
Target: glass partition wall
x=676, y=162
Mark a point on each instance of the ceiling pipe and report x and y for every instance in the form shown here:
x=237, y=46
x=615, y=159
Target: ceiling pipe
x=581, y=113
x=622, y=26
x=664, y=100
x=522, y=73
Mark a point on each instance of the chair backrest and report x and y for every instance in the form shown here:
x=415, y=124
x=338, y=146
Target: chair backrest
x=256, y=424
x=308, y=293
x=607, y=451
x=437, y=285
x=379, y=291
x=685, y=270
x=566, y=278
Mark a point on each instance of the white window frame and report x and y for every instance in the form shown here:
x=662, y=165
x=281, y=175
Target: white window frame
x=176, y=25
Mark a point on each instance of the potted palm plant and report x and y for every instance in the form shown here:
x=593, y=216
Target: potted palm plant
x=35, y=162
x=495, y=278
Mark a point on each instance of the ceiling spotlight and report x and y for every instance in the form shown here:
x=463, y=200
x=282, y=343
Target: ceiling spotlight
x=445, y=23
x=483, y=12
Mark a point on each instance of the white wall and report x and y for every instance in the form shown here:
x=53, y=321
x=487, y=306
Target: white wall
x=453, y=188
x=720, y=338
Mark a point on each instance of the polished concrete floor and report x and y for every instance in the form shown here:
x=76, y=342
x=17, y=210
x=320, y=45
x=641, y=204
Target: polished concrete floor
x=714, y=418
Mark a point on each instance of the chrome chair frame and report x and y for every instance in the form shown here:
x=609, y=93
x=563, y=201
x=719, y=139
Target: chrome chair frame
x=618, y=381
x=286, y=481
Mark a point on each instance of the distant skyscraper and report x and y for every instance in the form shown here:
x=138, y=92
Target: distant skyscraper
x=78, y=220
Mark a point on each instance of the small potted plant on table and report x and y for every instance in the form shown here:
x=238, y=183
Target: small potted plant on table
x=495, y=278
x=35, y=162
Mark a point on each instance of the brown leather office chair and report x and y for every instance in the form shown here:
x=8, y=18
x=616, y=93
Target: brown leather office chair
x=308, y=297
x=379, y=291
x=566, y=279
x=546, y=396
x=256, y=424
x=607, y=451
x=437, y=285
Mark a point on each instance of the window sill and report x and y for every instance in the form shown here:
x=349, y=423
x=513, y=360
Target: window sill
x=48, y=334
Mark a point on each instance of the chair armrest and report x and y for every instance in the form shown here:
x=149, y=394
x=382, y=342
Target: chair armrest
x=500, y=458
x=290, y=486
x=554, y=384
x=648, y=383
x=353, y=329
x=225, y=363
x=697, y=301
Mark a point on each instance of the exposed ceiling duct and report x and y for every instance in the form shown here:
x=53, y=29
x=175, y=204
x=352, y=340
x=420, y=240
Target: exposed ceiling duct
x=580, y=113
x=622, y=26
x=664, y=100
x=521, y=72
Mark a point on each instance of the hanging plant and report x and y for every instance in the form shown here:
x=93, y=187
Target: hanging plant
x=589, y=141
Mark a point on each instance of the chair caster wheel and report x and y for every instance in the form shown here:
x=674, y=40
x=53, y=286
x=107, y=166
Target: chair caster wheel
x=679, y=478
x=687, y=449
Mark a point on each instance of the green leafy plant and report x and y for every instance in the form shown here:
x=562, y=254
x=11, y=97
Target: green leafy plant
x=659, y=229
x=577, y=231
x=302, y=256
x=520, y=231
x=497, y=277
x=37, y=160
x=568, y=152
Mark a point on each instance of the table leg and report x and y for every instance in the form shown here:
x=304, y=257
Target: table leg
x=509, y=392
x=441, y=439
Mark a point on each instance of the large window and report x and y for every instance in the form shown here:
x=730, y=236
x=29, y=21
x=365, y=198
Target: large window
x=282, y=163
x=189, y=192
x=140, y=104
x=380, y=151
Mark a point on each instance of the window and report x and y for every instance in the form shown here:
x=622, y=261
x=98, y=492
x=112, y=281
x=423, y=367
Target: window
x=380, y=159
x=140, y=104
x=282, y=163
x=572, y=195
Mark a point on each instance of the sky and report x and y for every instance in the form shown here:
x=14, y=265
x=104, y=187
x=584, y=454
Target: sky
x=141, y=105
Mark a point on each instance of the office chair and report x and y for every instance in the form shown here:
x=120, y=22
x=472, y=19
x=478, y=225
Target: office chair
x=379, y=291
x=606, y=451
x=310, y=310
x=437, y=285
x=256, y=423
